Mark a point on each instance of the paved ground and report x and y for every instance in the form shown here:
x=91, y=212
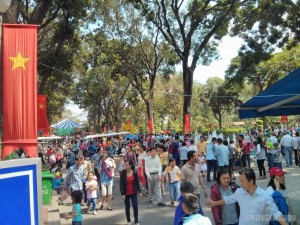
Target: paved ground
x=152, y=214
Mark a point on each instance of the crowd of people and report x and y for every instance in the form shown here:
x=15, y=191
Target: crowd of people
x=153, y=164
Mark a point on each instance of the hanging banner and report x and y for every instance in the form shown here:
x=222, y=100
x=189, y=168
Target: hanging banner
x=187, y=124
x=19, y=88
x=42, y=119
x=128, y=124
x=284, y=119
x=151, y=126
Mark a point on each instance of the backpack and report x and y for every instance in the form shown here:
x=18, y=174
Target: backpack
x=282, y=206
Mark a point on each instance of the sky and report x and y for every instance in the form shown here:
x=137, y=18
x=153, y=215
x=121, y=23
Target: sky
x=228, y=49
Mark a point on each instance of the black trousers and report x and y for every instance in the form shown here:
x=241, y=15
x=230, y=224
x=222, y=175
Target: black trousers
x=134, y=201
x=245, y=160
x=261, y=167
x=296, y=157
x=212, y=165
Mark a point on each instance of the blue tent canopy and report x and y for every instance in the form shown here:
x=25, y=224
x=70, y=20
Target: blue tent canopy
x=66, y=124
x=282, y=98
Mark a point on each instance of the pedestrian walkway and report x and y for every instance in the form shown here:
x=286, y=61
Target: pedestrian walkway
x=154, y=215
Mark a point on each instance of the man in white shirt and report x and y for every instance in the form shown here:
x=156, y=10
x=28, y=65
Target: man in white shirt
x=153, y=171
x=192, y=146
x=252, y=201
x=287, y=142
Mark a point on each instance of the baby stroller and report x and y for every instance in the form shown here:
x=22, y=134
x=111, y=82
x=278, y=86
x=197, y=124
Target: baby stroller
x=63, y=194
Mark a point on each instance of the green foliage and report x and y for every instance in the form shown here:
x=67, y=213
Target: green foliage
x=219, y=99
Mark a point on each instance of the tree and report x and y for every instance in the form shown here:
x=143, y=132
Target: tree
x=140, y=55
x=193, y=29
x=58, y=40
x=265, y=27
x=218, y=99
x=249, y=68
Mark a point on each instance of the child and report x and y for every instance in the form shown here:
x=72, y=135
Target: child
x=172, y=174
x=276, y=156
x=202, y=164
x=76, y=208
x=121, y=164
x=54, y=168
x=91, y=188
x=57, y=181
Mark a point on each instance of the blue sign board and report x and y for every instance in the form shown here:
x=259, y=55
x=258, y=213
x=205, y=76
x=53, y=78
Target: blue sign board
x=20, y=192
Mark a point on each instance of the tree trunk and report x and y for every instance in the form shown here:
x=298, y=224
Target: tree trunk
x=188, y=74
x=149, y=114
x=11, y=16
x=107, y=122
x=220, y=121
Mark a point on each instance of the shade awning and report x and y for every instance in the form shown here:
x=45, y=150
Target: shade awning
x=66, y=124
x=282, y=98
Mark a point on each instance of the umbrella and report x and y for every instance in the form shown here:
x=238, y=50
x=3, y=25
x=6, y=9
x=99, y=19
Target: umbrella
x=129, y=136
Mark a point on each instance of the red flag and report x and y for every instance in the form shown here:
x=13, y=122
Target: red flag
x=128, y=124
x=284, y=119
x=19, y=88
x=42, y=119
x=187, y=124
x=151, y=126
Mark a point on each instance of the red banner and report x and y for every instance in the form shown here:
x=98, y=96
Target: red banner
x=42, y=119
x=151, y=126
x=187, y=124
x=128, y=124
x=284, y=119
x=19, y=88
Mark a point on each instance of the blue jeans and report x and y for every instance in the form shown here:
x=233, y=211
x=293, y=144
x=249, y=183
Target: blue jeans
x=134, y=202
x=288, y=155
x=92, y=201
x=270, y=160
x=279, y=164
x=174, y=191
x=76, y=222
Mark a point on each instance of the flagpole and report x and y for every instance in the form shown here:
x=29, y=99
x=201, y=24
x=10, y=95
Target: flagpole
x=4, y=6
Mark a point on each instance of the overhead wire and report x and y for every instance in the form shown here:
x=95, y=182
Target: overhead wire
x=179, y=94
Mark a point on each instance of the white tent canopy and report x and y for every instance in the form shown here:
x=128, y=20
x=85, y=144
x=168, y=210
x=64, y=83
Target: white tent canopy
x=67, y=123
x=106, y=135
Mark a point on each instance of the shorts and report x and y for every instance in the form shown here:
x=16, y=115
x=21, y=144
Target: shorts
x=107, y=188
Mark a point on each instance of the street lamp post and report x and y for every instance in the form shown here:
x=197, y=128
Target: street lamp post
x=4, y=6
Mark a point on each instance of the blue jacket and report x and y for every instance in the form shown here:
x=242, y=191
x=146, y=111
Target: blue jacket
x=282, y=205
x=180, y=215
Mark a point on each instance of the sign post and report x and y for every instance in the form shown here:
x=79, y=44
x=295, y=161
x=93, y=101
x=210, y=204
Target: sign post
x=21, y=192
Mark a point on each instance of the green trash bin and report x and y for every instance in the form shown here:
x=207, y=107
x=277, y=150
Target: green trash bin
x=47, y=187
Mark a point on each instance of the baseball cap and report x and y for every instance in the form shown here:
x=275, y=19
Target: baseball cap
x=276, y=171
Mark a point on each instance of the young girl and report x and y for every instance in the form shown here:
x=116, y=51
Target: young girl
x=130, y=189
x=76, y=208
x=202, y=164
x=130, y=155
x=91, y=187
x=121, y=164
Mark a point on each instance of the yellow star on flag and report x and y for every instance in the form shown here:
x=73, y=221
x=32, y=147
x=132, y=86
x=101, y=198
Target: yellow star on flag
x=41, y=106
x=19, y=61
